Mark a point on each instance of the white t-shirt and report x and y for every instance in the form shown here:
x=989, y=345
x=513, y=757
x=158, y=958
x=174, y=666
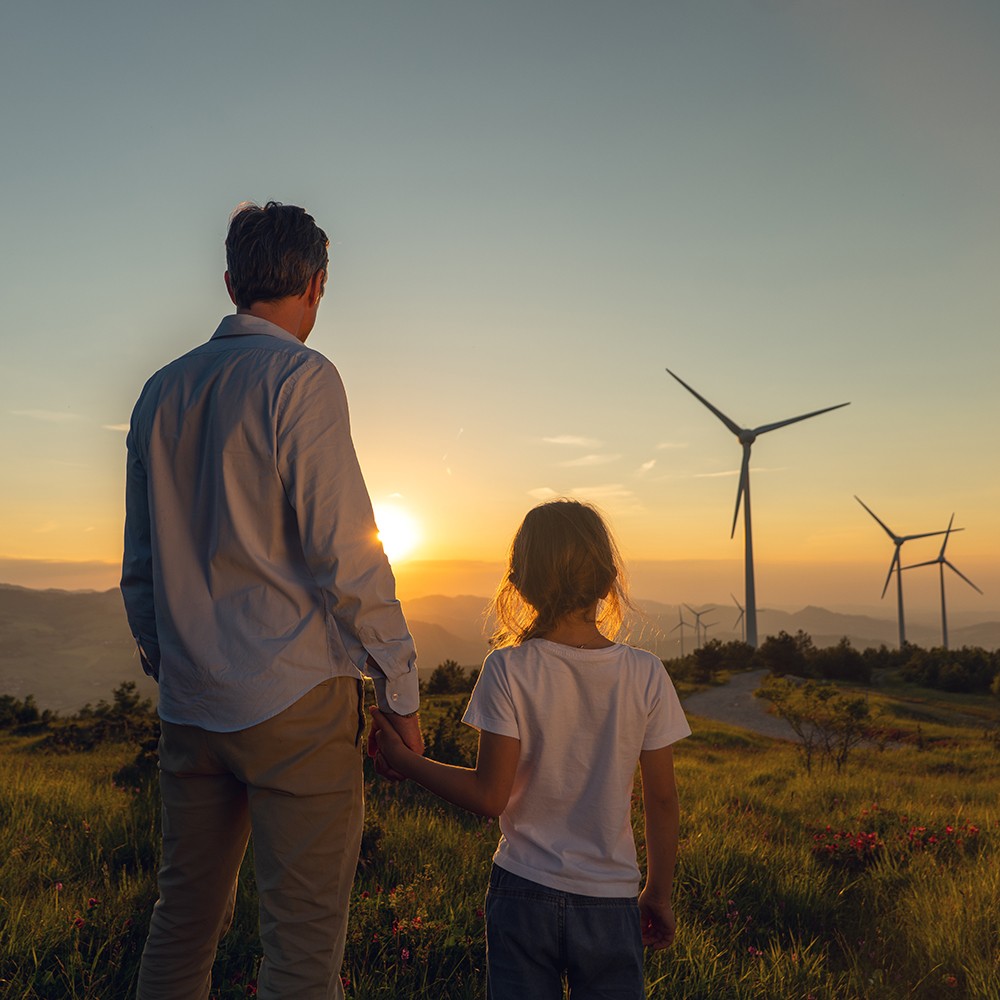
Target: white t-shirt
x=582, y=717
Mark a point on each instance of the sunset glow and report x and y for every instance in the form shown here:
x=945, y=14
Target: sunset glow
x=398, y=531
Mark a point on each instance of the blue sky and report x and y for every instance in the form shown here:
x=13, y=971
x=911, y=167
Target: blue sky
x=534, y=209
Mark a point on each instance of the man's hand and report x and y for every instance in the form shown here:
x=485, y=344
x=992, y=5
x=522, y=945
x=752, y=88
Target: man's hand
x=390, y=735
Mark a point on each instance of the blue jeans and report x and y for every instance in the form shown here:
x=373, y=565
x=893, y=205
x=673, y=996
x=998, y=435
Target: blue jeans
x=535, y=935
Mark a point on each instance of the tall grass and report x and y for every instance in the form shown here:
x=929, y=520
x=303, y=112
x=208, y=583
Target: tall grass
x=878, y=883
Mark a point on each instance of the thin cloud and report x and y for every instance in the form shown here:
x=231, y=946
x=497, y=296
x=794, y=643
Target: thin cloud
x=646, y=467
x=606, y=491
x=574, y=441
x=621, y=497
x=613, y=496
x=588, y=461
x=663, y=445
x=736, y=472
x=123, y=428
x=51, y=416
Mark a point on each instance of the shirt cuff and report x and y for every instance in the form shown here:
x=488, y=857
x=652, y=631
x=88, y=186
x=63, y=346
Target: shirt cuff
x=400, y=695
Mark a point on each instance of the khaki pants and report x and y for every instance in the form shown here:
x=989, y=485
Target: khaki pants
x=295, y=781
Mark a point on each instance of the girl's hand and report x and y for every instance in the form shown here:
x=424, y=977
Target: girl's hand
x=389, y=747
x=656, y=917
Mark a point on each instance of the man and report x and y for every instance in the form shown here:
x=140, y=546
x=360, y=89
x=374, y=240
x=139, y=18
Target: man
x=256, y=588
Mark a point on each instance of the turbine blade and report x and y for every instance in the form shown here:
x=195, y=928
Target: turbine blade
x=795, y=420
x=892, y=566
x=885, y=527
x=961, y=574
x=926, y=534
x=930, y=562
x=742, y=488
x=947, y=535
x=732, y=425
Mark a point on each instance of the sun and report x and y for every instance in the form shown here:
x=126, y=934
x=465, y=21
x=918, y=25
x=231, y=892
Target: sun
x=398, y=531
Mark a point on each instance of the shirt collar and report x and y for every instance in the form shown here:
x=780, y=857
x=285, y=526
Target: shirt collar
x=243, y=325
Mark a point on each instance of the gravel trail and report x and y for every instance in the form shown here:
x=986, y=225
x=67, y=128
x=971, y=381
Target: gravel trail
x=734, y=704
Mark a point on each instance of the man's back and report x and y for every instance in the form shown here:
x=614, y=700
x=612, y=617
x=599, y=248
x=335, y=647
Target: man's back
x=240, y=441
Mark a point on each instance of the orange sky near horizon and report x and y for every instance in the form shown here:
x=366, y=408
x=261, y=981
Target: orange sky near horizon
x=534, y=210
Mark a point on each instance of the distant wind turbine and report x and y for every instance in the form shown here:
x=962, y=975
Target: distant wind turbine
x=741, y=619
x=697, y=622
x=746, y=436
x=896, y=564
x=941, y=562
x=681, y=624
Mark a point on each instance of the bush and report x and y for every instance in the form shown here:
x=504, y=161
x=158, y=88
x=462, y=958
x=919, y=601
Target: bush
x=841, y=663
x=786, y=654
x=828, y=724
x=968, y=670
x=450, y=678
x=126, y=719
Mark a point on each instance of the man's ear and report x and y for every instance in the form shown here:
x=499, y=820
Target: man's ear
x=229, y=288
x=314, y=289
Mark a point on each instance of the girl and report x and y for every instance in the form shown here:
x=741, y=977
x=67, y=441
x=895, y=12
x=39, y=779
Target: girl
x=564, y=713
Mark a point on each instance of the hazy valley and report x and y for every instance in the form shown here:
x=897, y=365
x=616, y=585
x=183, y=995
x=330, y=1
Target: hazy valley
x=68, y=648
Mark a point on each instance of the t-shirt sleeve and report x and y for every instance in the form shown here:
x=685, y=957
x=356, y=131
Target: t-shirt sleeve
x=491, y=707
x=665, y=723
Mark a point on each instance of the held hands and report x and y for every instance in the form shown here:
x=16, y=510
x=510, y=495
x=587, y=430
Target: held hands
x=391, y=740
x=656, y=916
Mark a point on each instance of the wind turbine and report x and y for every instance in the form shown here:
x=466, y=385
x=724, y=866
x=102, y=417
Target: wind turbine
x=697, y=621
x=681, y=624
x=746, y=436
x=741, y=619
x=898, y=541
x=941, y=562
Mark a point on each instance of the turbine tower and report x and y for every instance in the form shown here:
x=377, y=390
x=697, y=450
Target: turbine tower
x=746, y=436
x=896, y=564
x=741, y=618
x=941, y=562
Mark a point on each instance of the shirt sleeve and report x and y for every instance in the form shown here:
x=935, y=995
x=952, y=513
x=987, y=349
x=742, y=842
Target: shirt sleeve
x=666, y=722
x=491, y=707
x=322, y=479
x=137, y=562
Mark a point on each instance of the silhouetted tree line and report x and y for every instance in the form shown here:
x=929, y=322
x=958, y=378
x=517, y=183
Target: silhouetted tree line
x=126, y=718
x=970, y=669
x=449, y=678
x=24, y=715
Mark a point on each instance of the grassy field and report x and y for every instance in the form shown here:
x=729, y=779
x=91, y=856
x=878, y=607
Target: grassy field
x=880, y=882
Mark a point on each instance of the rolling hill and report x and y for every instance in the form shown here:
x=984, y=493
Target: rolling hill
x=68, y=648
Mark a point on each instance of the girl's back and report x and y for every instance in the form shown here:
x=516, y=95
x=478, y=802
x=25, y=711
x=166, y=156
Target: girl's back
x=582, y=717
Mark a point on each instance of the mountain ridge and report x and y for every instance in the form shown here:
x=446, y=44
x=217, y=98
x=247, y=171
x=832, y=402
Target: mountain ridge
x=70, y=647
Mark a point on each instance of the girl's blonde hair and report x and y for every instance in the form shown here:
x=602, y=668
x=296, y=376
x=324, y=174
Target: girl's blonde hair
x=563, y=559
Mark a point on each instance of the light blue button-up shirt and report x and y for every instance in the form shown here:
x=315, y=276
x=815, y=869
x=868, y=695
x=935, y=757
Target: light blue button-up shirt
x=252, y=568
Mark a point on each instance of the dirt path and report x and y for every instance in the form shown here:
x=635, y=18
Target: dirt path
x=734, y=704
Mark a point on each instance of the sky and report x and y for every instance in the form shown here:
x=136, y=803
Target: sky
x=535, y=209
